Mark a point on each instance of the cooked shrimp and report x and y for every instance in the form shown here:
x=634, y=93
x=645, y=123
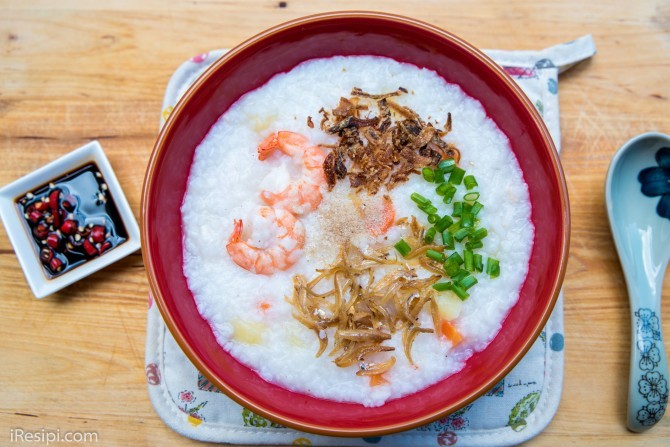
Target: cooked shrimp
x=281, y=252
x=303, y=195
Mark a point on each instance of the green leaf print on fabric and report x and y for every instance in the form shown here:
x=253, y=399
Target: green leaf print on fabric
x=539, y=106
x=251, y=419
x=523, y=409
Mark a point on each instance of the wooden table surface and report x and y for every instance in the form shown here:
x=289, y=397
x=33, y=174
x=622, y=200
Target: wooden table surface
x=74, y=70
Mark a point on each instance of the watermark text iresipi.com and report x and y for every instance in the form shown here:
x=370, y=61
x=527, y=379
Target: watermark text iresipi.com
x=46, y=436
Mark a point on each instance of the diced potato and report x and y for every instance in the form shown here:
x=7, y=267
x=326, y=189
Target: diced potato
x=248, y=332
x=448, y=305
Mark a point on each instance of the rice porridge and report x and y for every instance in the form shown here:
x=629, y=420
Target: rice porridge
x=393, y=266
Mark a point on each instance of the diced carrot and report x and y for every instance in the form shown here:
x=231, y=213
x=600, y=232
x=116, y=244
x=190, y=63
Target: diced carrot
x=264, y=306
x=449, y=331
x=377, y=379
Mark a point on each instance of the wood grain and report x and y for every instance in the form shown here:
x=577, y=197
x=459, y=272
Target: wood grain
x=76, y=70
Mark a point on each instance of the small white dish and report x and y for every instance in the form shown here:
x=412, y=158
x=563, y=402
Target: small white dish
x=19, y=232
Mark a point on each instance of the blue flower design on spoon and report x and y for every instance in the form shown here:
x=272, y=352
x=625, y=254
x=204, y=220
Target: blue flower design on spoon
x=656, y=181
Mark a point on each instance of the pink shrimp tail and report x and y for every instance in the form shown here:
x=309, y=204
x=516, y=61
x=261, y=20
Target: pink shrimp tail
x=268, y=146
x=237, y=232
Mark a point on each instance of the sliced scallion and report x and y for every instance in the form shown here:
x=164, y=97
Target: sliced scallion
x=458, y=209
x=430, y=235
x=428, y=175
x=468, y=260
x=479, y=264
x=453, y=264
x=461, y=234
x=471, y=196
x=476, y=208
x=448, y=240
x=447, y=165
x=456, y=258
x=456, y=176
x=428, y=208
x=442, y=286
x=493, y=267
x=439, y=175
x=467, y=282
x=403, y=247
x=467, y=219
x=449, y=193
x=470, y=182
x=473, y=245
x=432, y=218
x=419, y=199
x=442, y=189
x=443, y=223
x=479, y=234
x=435, y=255
x=453, y=228
x=458, y=277
x=460, y=292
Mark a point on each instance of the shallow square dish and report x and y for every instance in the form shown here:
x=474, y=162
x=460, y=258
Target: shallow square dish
x=22, y=241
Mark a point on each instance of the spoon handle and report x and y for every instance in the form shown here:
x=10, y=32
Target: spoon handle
x=648, y=382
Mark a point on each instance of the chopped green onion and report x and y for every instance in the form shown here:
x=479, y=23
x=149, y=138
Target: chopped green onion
x=443, y=223
x=460, y=292
x=442, y=189
x=473, y=245
x=447, y=165
x=476, y=208
x=461, y=234
x=459, y=275
x=468, y=260
x=479, y=234
x=467, y=282
x=458, y=209
x=451, y=267
x=454, y=227
x=403, y=247
x=456, y=176
x=492, y=267
x=435, y=255
x=479, y=265
x=439, y=176
x=449, y=193
x=430, y=235
x=428, y=175
x=456, y=258
x=428, y=208
x=470, y=182
x=453, y=264
x=467, y=219
x=442, y=286
x=419, y=199
x=432, y=218
x=471, y=196
x=448, y=240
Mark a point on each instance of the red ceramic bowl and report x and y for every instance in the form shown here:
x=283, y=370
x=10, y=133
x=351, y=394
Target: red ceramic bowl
x=278, y=50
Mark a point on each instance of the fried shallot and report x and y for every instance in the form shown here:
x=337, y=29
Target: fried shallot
x=376, y=151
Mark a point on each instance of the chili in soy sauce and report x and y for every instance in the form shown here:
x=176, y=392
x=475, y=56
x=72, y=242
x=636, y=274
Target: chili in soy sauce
x=72, y=219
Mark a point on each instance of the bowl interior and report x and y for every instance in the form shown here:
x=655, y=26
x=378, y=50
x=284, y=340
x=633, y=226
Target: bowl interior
x=278, y=50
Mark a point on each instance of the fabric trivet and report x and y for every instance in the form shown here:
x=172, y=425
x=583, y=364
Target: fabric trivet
x=515, y=410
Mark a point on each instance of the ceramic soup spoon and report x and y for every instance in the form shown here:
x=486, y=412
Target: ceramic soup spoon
x=638, y=205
